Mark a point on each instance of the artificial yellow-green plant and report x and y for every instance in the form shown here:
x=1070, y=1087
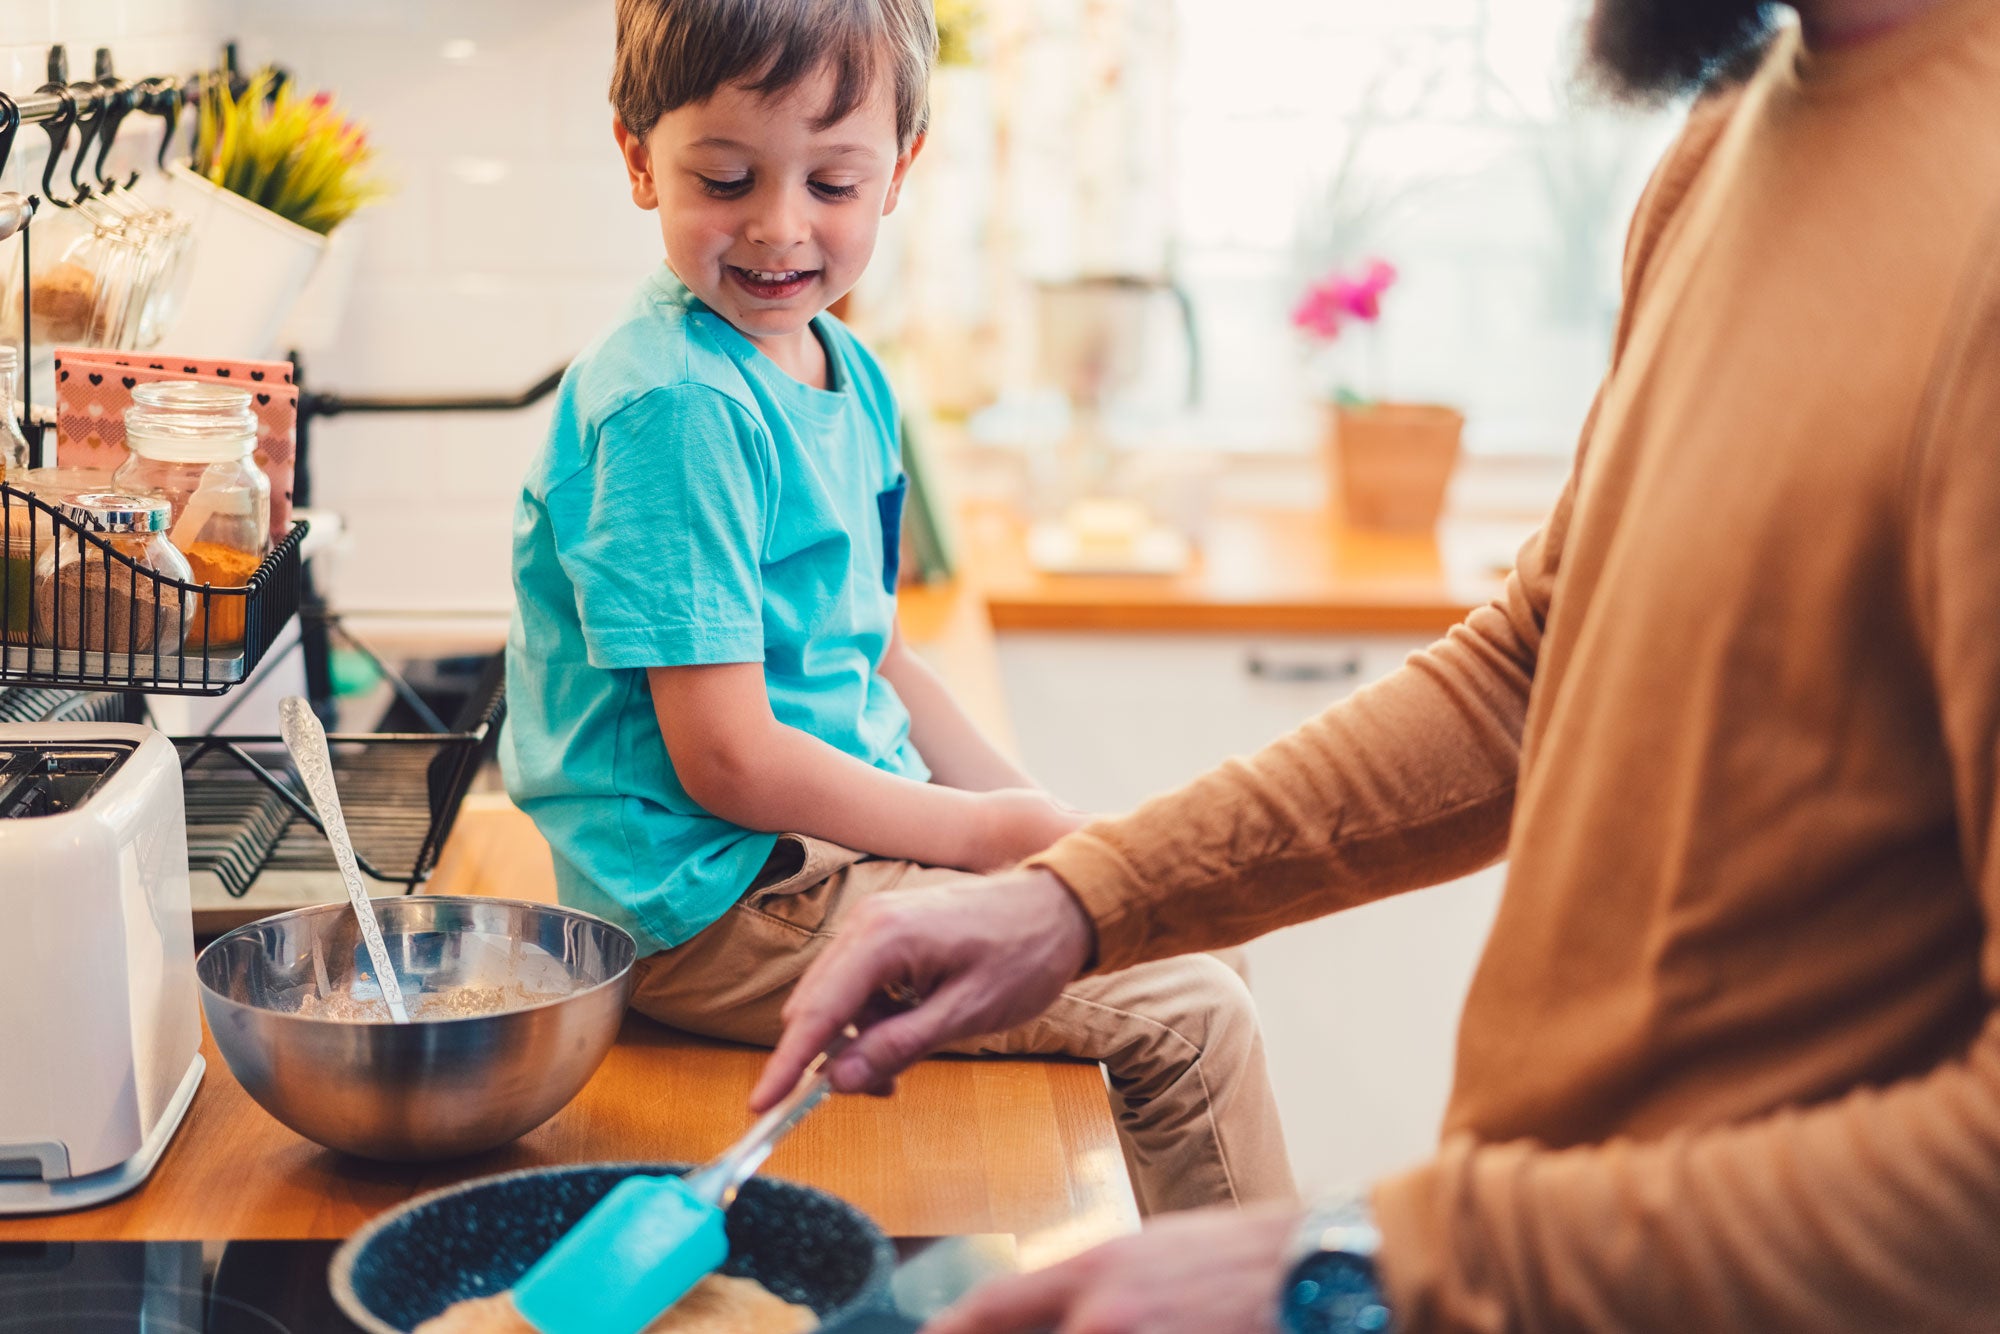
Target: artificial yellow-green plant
x=297, y=156
x=958, y=25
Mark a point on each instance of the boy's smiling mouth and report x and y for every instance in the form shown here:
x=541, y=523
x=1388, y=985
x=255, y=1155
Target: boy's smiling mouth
x=772, y=284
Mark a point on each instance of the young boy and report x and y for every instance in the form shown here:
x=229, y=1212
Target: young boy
x=713, y=718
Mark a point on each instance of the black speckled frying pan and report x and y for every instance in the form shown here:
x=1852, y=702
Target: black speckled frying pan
x=478, y=1237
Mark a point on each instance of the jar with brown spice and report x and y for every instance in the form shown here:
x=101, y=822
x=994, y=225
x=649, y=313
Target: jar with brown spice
x=192, y=442
x=26, y=530
x=103, y=596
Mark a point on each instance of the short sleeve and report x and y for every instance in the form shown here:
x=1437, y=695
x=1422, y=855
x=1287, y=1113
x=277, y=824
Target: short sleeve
x=661, y=535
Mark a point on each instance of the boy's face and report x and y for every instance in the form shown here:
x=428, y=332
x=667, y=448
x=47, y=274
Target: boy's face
x=767, y=219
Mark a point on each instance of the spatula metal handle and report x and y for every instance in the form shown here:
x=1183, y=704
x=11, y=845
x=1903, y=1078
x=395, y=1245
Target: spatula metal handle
x=306, y=740
x=718, y=1181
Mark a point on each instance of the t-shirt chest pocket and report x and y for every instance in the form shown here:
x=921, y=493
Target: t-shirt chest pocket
x=889, y=505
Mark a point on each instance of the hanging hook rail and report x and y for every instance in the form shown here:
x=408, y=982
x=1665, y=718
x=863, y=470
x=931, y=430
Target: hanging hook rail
x=162, y=91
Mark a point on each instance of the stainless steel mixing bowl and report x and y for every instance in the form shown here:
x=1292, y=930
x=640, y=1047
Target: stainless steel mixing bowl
x=433, y=1088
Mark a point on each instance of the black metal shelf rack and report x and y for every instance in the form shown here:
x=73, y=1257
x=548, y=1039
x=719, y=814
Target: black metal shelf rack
x=106, y=632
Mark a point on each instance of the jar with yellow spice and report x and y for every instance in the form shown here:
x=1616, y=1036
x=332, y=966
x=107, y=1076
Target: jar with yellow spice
x=193, y=442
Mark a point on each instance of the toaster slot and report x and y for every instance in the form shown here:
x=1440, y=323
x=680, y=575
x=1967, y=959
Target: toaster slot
x=52, y=780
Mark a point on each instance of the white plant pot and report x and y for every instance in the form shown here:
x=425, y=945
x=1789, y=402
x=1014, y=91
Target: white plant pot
x=250, y=265
x=317, y=315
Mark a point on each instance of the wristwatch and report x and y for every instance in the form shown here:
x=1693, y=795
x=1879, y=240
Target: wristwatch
x=1331, y=1287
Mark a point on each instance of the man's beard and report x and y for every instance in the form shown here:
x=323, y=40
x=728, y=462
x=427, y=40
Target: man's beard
x=1651, y=51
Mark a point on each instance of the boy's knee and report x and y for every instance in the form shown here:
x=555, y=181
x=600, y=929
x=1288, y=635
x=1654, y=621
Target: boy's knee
x=1183, y=1011
x=1218, y=1002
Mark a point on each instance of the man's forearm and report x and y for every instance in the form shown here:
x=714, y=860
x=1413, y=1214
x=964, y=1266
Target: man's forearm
x=1409, y=783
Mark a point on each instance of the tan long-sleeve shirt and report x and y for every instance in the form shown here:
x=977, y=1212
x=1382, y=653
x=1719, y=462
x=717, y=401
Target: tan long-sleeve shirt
x=1732, y=1057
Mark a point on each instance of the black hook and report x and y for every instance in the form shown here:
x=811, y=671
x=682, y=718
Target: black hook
x=86, y=127
x=58, y=127
x=159, y=96
x=10, y=125
x=233, y=77
x=116, y=100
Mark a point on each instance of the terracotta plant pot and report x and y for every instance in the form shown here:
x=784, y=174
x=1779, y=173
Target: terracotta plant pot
x=1391, y=462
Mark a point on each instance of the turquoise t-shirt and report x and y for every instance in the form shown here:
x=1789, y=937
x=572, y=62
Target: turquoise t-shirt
x=694, y=504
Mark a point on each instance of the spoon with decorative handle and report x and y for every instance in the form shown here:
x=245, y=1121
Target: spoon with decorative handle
x=306, y=740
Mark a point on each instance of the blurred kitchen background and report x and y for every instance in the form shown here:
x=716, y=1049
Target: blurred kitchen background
x=1138, y=556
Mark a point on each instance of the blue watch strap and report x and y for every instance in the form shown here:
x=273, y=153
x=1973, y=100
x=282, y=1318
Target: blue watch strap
x=1332, y=1287
x=1335, y=1292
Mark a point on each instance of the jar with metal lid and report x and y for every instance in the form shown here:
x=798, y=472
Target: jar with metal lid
x=192, y=442
x=108, y=598
x=26, y=530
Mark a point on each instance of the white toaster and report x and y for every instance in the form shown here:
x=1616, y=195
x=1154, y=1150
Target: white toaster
x=100, y=1034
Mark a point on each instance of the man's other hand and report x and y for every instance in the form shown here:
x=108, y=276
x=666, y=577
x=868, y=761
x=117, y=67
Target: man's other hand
x=1213, y=1271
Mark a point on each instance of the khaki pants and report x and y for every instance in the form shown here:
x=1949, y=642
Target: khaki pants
x=1178, y=1039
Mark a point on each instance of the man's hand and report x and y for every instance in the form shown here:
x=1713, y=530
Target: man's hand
x=1016, y=823
x=984, y=956
x=1214, y=1271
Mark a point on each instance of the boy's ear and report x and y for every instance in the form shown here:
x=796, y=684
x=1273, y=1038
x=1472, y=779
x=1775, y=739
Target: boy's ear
x=896, y=178
x=638, y=165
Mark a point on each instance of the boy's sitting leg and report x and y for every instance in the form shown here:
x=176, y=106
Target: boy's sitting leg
x=1179, y=1038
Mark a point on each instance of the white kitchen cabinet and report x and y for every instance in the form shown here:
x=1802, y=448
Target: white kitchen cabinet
x=1360, y=1010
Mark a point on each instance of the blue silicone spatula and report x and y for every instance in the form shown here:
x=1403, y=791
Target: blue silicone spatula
x=649, y=1240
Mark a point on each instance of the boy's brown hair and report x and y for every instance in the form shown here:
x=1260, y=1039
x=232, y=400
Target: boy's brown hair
x=675, y=52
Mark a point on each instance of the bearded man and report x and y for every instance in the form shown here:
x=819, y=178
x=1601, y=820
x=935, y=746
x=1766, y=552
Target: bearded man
x=1731, y=1060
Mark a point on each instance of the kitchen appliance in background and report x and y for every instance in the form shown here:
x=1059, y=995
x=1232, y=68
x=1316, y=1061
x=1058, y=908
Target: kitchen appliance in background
x=1096, y=336
x=101, y=1051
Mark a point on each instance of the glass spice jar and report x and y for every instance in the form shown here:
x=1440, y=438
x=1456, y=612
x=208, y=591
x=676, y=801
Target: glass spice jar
x=26, y=531
x=22, y=528
x=15, y=456
x=87, y=597
x=192, y=442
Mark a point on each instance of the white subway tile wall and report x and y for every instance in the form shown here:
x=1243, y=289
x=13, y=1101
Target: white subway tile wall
x=509, y=243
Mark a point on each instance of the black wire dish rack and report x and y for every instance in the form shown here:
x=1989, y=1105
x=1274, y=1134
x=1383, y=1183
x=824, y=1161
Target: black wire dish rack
x=249, y=821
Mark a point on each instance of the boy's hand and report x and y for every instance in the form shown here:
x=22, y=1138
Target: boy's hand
x=1015, y=823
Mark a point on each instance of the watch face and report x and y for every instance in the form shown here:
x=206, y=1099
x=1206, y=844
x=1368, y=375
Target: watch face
x=1334, y=1292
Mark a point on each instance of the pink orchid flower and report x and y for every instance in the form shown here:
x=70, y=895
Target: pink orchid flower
x=1326, y=304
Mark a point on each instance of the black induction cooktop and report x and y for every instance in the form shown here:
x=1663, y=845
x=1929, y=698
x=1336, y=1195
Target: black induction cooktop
x=280, y=1287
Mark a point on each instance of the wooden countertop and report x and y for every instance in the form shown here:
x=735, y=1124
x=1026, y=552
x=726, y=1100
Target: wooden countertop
x=1256, y=570
x=965, y=1146
x=1023, y=1147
